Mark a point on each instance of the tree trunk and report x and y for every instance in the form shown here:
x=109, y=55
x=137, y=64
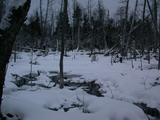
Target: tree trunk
x=2, y=78
x=41, y=15
x=78, y=38
x=154, y=17
x=61, y=63
x=1, y=9
x=16, y=17
x=159, y=59
x=41, y=25
x=124, y=39
x=64, y=31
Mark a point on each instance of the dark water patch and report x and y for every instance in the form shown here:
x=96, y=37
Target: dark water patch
x=90, y=87
x=149, y=111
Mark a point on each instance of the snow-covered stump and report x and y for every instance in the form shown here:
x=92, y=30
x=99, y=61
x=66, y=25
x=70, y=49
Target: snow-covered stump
x=9, y=27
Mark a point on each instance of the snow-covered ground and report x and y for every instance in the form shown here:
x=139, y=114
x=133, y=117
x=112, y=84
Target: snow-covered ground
x=121, y=84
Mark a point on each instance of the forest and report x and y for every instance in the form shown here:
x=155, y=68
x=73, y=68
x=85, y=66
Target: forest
x=72, y=59
x=134, y=32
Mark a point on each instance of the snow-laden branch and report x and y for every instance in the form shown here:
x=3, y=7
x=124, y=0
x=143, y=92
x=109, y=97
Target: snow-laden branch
x=10, y=26
x=10, y=6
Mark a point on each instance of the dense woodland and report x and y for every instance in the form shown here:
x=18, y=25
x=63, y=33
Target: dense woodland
x=129, y=34
x=134, y=31
x=94, y=28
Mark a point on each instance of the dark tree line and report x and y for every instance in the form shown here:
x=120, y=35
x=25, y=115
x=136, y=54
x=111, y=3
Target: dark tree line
x=94, y=29
x=97, y=30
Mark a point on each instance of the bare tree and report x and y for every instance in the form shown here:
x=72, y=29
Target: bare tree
x=130, y=32
x=89, y=6
x=41, y=14
x=154, y=15
x=44, y=16
x=16, y=17
x=73, y=28
x=124, y=36
x=64, y=23
x=77, y=20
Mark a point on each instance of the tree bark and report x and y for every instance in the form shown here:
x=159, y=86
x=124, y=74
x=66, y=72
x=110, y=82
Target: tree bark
x=16, y=17
x=78, y=37
x=61, y=63
x=63, y=38
x=154, y=17
x=159, y=56
x=2, y=78
x=41, y=14
x=1, y=9
x=124, y=37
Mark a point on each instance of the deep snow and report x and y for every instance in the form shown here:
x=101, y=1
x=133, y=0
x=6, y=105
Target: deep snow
x=121, y=84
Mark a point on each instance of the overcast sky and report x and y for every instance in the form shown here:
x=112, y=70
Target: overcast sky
x=112, y=5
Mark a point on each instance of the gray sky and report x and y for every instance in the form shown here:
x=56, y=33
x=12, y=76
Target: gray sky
x=112, y=5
